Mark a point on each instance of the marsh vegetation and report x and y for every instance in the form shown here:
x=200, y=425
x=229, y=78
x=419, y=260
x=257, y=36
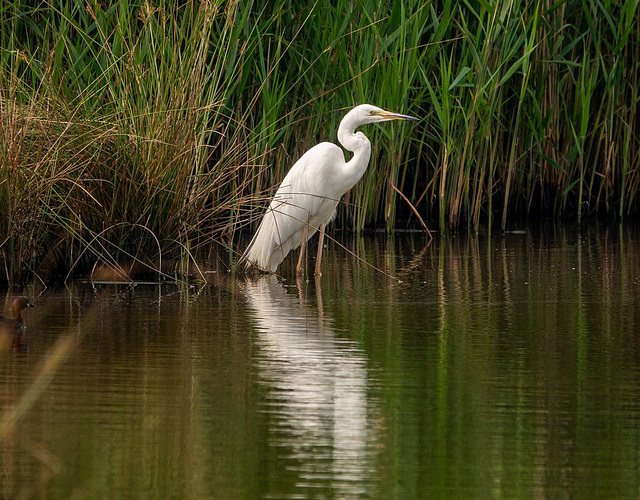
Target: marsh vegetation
x=144, y=131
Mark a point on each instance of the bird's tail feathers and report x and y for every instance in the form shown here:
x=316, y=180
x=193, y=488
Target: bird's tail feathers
x=252, y=257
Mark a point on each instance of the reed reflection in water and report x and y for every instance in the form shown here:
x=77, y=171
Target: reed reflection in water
x=504, y=366
x=316, y=385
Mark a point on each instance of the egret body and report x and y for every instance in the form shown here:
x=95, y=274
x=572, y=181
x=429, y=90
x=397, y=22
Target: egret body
x=308, y=195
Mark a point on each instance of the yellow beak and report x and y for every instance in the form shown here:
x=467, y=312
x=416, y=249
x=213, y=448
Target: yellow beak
x=396, y=116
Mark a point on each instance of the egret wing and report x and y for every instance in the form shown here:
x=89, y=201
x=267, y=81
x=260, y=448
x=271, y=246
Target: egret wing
x=296, y=208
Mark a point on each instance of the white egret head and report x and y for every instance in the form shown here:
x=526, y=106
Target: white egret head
x=366, y=113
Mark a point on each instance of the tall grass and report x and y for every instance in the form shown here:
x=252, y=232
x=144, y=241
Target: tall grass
x=131, y=130
x=118, y=139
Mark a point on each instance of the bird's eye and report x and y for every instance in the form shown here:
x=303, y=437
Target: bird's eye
x=371, y=112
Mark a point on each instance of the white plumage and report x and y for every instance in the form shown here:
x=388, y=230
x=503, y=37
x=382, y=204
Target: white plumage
x=308, y=195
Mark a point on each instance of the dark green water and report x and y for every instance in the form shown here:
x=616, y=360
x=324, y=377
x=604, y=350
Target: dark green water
x=506, y=367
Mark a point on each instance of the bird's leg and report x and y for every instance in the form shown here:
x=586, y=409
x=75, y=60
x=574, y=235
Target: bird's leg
x=303, y=247
x=320, y=245
x=299, y=268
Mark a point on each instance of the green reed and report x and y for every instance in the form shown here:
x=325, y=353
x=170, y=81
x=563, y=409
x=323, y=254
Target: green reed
x=133, y=130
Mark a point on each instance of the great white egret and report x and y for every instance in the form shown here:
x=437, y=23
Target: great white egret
x=308, y=195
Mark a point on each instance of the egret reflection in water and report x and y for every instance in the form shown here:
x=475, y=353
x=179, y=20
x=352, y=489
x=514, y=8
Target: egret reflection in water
x=317, y=389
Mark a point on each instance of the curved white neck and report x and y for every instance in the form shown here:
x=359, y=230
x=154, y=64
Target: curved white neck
x=359, y=145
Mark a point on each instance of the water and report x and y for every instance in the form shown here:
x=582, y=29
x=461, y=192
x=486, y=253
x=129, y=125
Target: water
x=500, y=367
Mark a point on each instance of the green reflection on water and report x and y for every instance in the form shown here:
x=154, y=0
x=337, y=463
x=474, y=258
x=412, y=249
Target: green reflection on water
x=500, y=367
